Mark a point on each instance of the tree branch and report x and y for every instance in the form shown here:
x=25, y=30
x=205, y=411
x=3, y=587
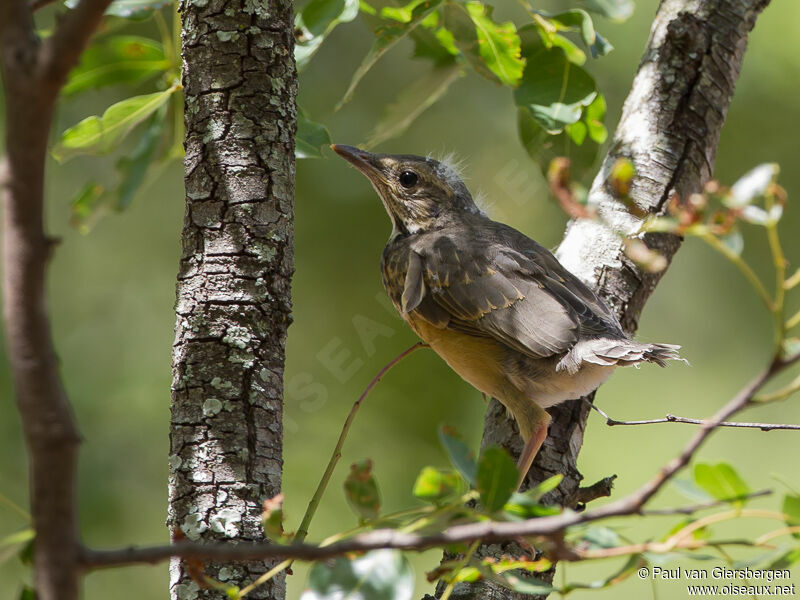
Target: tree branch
x=50, y=431
x=669, y=129
x=693, y=508
x=611, y=422
x=491, y=531
x=61, y=51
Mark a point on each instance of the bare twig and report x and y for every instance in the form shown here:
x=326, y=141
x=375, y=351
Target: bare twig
x=599, y=489
x=611, y=422
x=693, y=508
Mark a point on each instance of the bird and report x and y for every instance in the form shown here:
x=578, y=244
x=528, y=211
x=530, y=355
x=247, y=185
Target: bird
x=498, y=307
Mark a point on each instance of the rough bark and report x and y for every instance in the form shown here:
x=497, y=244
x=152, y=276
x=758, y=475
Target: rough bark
x=233, y=292
x=33, y=73
x=670, y=127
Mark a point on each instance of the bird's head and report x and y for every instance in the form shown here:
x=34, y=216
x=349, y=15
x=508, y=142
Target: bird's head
x=420, y=194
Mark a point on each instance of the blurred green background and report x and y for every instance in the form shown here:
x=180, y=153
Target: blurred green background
x=112, y=293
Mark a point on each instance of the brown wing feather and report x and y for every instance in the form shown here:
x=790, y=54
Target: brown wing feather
x=503, y=286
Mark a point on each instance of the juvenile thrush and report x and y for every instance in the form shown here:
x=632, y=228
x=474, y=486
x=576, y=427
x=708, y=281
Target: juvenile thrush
x=495, y=305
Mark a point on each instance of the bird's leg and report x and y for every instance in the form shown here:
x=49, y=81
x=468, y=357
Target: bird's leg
x=533, y=424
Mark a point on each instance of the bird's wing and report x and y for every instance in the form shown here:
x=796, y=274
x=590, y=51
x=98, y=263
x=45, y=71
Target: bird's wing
x=497, y=291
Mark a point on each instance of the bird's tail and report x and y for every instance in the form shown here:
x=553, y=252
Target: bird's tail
x=622, y=352
x=661, y=353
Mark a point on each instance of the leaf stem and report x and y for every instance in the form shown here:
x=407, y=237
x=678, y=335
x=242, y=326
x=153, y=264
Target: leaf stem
x=792, y=281
x=265, y=577
x=780, y=394
x=452, y=583
x=779, y=259
x=302, y=531
x=793, y=321
x=749, y=274
x=166, y=37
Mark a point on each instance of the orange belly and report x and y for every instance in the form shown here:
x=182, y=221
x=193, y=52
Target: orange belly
x=478, y=360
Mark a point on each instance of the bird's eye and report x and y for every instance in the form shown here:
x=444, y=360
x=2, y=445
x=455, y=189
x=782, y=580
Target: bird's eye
x=408, y=179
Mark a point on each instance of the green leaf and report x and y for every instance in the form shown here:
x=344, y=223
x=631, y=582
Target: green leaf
x=20, y=537
x=315, y=22
x=386, y=37
x=100, y=135
x=413, y=101
x=498, y=44
x=361, y=490
x=721, y=481
x=459, y=453
x=548, y=485
x=27, y=593
x=433, y=485
x=233, y=593
x=400, y=13
x=632, y=564
x=790, y=346
x=521, y=506
x=786, y=560
x=533, y=587
x=553, y=89
x=133, y=168
x=119, y=59
x=543, y=147
x=272, y=518
x=496, y=479
x=734, y=241
x=574, y=54
x=27, y=551
x=85, y=206
x=311, y=137
x=791, y=508
x=580, y=21
x=462, y=30
x=437, y=45
x=689, y=490
x=128, y=8
x=433, y=42
x=377, y=575
x=616, y=10
x=593, y=116
x=601, y=537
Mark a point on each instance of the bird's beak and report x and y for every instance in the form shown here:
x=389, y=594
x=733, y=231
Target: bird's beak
x=361, y=160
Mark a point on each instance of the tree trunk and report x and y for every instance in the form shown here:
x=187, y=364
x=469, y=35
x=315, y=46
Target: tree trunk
x=233, y=293
x=670, y=127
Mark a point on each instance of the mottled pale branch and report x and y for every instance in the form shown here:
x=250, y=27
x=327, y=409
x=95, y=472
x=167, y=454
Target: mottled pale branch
x=669, y=130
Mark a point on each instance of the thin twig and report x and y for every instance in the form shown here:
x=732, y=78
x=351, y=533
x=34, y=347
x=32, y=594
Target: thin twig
x=302, y=531
x=599, y=489
x=452, y=583
x=611, y=422
x=780, y=394
x=693, y=508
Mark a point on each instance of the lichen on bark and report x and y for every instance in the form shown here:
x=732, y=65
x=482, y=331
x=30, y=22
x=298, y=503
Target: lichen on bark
x=233, y=292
